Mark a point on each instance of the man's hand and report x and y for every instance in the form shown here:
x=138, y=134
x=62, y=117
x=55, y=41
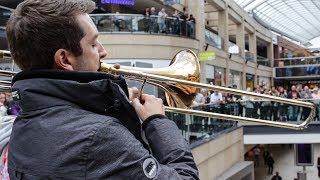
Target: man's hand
x=147, y=106
x=133, y=93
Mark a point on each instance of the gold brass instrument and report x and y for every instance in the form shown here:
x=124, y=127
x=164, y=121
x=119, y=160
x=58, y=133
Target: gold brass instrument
x=181, y=82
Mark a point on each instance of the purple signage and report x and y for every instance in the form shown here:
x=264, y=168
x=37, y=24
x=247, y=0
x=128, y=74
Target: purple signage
x=120, y=2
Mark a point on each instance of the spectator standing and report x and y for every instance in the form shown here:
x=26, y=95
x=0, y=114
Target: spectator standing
x=146, y=21
x=266, y=155
x=270, y=163
x=183, y=23
x=200, y=98
x=274, y=105
x=191, y=26
x=153, y=18
x=257, y=104
x=161, y=20
x=316, y=100
x=176, y=22
x=256, y=152
x=265, y=109
x=282, y=107
x=248, y=104
x=293, y=110
x=215, y=101
x=276, y=177
x=305, y=94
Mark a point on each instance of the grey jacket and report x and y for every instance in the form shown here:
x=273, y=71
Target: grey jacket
x=80, y=125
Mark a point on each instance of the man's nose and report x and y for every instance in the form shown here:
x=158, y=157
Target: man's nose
x=102, y=52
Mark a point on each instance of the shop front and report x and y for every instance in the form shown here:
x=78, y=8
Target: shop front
x=219, y=76
x=235, y=79
x=249, y=81
x=264, y=81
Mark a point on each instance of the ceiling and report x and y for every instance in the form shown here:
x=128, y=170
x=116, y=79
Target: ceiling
x=296, y=19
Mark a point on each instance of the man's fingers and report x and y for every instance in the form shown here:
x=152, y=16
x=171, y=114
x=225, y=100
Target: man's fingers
x=133, y=93
x=147, y=97
x=136, y=103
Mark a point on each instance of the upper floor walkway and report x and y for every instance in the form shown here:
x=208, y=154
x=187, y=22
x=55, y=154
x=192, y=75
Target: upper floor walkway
x=297, y=67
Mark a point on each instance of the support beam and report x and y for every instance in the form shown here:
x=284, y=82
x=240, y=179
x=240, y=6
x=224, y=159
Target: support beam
x=219, y=4
x=235, y=17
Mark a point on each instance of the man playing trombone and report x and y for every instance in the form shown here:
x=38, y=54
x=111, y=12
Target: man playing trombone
x=77, y=123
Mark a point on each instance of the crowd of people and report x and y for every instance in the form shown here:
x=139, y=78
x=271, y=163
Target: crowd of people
x=179, y=23
x=258, y=108
x=153, y=21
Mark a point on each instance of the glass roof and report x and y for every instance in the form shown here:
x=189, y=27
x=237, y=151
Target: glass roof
x=296, y=19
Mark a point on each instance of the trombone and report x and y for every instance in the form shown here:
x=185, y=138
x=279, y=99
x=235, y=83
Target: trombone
x=181, y=82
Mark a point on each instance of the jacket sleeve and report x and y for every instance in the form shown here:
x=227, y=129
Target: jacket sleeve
x=116, y=154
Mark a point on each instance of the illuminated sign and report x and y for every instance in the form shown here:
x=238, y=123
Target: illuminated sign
x=207, y=56
x=120, y=2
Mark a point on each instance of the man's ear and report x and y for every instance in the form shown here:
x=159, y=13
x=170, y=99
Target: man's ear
x=63, y=60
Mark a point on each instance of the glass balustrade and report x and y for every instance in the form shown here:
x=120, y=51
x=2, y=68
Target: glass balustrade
x=263, y=61
x=196, y=128
x=135, y=23
x=296, y=61
x=305, y=71
x=249, y=56
x=213, y=39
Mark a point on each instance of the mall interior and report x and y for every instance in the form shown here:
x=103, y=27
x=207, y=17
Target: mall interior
x=262, y=46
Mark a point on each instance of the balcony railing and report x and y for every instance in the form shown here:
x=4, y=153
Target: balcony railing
x=263, y=61
x=196, y=128
x=249, y=56
x=301, y=71
x=213, y=39
x=297, y=61
x=135, y=23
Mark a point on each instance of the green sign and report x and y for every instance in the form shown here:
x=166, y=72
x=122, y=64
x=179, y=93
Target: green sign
x=207, y=56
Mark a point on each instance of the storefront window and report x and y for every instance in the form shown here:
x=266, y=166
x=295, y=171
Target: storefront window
x=219, y=76
x=235, y=79
x=264, y=81
x=249, y=81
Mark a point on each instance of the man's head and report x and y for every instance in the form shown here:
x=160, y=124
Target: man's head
x=46, y=34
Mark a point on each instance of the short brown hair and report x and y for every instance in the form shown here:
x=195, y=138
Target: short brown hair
x=38, y=28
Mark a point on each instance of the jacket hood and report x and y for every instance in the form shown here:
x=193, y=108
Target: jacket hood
x=93, y=91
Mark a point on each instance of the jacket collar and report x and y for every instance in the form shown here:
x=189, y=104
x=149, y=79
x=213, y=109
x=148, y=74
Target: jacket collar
x=93, y=91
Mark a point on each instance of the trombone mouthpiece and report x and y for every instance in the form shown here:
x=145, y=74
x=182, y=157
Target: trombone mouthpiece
x=107, y=68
